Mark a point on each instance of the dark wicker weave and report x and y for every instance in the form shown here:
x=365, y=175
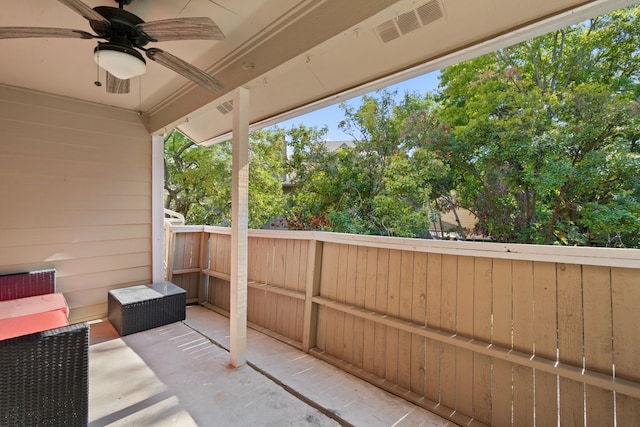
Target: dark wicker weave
x=21, y=285
x=44, y=378
x=139, y=308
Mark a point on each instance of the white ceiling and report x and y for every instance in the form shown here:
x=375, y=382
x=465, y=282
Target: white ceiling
x=289, y=53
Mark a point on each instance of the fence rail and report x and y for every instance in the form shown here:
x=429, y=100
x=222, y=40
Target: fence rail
x=483, y=334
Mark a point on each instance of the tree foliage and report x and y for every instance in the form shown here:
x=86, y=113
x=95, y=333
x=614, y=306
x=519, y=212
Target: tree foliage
x=545, y=134
x=539, y=141
x=198, y=179
x=388, y=183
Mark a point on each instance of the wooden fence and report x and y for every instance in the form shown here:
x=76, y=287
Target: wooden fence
x=482, y=334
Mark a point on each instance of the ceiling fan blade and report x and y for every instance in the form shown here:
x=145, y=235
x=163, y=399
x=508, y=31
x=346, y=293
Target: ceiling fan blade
x=28, y=32
x=87, y=12
x=185, y=69
x=116, y=85
x=182, y=29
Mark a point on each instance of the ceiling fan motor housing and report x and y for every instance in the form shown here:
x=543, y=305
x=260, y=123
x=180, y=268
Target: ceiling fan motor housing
x=122, y=26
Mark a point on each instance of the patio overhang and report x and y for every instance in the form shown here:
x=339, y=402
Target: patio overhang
x=293, y=55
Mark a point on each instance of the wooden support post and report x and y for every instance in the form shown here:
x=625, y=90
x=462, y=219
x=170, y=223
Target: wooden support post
x=312, y=289
x=239, y=228
x=158, y=272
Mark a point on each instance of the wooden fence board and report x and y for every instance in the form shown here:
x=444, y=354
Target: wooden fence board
x=404, y=337
x=271, y=300
x=482, y=300
x=598, y=349
x=277, y=279
x=627, y=411
x=341, y=296
x=434, y=291
x=464, y=327
x=328, y=289
x=393, y=310
x=448, y=323
x=359, y=324
x=502, y=316
x=625, y=300
x=350, y=298
x=370, y=304
x=625, y=294
x=570, y=342
x=302, y=285
x=523, y=341
x=418, y=317
x=545, y=337
x=260, y=297
x=251, y=260
x=380, y=331
x=190, y=282
x=290, y=282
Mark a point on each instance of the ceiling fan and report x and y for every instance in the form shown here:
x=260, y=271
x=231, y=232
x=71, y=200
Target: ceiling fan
x=126, y=35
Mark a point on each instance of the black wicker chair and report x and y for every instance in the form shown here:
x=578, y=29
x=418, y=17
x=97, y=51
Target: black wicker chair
x=44, y=377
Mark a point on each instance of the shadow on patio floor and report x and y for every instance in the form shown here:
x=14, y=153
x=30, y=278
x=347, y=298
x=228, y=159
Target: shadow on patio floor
x=175, y=375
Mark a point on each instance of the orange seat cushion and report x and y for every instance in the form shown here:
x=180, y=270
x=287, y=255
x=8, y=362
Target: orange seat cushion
x=32, y=305
x=24, y=325
x=24, y=316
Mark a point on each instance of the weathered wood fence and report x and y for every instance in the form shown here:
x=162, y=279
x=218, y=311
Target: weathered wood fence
x=482, y=334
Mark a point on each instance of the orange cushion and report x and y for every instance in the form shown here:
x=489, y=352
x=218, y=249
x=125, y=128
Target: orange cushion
x=24, y=325
x=32, y=305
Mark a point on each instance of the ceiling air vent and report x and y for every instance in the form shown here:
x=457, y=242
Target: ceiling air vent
x=410, y=21
x=387, y=31
x=225, y=107
x=407, y=22
x=430, y=12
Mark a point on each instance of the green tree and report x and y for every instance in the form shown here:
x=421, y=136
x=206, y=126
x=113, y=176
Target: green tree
x=386, y=184
x=545, y=133
x=198, y=179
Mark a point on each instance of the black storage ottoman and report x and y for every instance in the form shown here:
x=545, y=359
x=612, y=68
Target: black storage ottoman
x=138, y=308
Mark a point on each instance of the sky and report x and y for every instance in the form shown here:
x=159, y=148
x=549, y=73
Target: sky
x=332, y=115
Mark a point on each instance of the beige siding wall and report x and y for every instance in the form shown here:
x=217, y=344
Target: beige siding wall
x=75, y=195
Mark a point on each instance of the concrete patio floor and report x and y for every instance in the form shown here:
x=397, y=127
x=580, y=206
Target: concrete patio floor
x=179, y=375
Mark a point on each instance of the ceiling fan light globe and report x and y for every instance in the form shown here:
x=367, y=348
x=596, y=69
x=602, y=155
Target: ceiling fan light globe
x=122, y=62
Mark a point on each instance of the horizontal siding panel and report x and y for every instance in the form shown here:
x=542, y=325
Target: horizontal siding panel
x=97, y=295
x=94, y=169
x=103, y=264
x=33, y=186
x=112, y=204
x=69, y=251
x=50, y=217
x=108, y=202
x=60, y=119
x=36, y=139
x=11, y=237
x=75, y=180
x=88, y=312
x=102, y=281
x=70, y=106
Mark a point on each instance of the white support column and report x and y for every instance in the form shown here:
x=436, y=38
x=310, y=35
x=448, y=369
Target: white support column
x=239, y=226
x=157, y=209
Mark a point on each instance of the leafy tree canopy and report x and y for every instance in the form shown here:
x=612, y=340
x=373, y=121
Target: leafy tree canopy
x=539, y=141
x=545, y=135
x=198, y=179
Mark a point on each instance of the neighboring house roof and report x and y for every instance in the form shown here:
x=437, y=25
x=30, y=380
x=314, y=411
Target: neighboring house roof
x=336, y=145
